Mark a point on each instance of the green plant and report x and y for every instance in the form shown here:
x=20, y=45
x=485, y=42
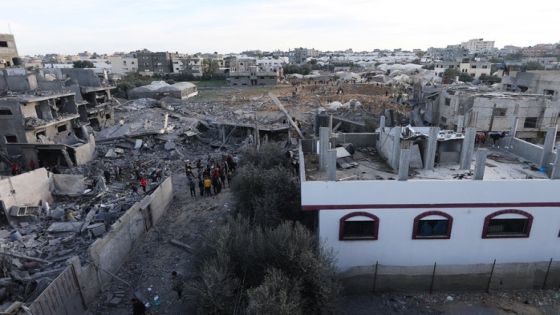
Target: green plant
x=241, y=266
x=83, y=64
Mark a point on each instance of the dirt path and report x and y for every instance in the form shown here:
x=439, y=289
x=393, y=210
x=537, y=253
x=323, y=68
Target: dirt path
x=151, y=263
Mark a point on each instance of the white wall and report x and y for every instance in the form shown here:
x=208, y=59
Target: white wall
x=397, y=203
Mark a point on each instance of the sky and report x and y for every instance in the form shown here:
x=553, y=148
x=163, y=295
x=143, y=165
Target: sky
x=190, y=26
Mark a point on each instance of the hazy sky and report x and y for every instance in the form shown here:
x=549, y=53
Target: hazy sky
x=70, y=26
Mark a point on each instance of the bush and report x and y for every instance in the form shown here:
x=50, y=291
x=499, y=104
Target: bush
x=83, y=64
x=278, y=294
x=465, y=77
x=263, y=269
x=490, y=79
x=265, y=188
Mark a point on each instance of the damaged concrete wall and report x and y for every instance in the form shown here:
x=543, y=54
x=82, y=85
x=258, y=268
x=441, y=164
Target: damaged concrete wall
x=357, y=139
x=389, y=145
x=86, y=152
x=526, y=150
x=26, y=189
x=68, y=185
x=111, y=251
x=451, y=277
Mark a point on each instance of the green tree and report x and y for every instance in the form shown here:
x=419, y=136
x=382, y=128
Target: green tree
x=534, y=65
x=449, y=75
x=465, y=77
x=490, y=79
x=83, y=64
x=210, y=67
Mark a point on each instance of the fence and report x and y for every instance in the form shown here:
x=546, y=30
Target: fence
x=477, y=277
x=62, y=296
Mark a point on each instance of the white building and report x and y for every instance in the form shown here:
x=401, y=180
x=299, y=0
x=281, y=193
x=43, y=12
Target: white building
x=123, y=64
x=271, y=64
x=440, y=67
x=476, y=68
x=462, y=216
x=478, y=45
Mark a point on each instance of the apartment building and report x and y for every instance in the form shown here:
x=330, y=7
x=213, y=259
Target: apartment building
x=8, y=51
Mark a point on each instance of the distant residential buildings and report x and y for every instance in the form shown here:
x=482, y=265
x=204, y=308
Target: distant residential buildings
x=476, y=68
x=154, y=62
x=123, y=64
x=478, y=45
x=300, y=55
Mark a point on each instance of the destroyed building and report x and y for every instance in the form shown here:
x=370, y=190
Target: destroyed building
x=402, y=204
x=536, y=82
x=62, y=239
x=45, y=129
x=45, y=115
x=96, y=109
x=160, y=89
x=8, y=51
x=490, y=111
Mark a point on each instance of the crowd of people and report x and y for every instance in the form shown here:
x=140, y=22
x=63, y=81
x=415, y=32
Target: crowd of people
x=210, y=178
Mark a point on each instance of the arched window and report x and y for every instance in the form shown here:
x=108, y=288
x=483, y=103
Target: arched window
x=432, y=225
x=358, y=226
x=507, y=224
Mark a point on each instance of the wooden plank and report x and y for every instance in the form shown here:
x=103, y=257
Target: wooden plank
x=283, y=109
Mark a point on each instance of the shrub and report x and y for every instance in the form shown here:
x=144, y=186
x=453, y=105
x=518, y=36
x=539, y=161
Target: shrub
x=285, y=264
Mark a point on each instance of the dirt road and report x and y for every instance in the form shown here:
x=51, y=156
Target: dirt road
x=151, y=263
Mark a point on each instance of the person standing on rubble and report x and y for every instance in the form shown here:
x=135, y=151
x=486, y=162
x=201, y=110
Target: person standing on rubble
x=138, y=308
x=134, y=188
x=118, y=172
x=143, y=183
x=201, y=185
x=107, y=176
x=177, y=284
x=192, y=186
x=207, y=186
x=188, y=168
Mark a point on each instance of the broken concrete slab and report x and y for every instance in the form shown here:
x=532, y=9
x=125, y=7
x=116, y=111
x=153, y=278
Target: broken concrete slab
x=60, y=227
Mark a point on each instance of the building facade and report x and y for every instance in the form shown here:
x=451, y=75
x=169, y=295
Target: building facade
x=398, y=234
x=123, y=64
x=478, y=45
x=154, y=62
x=8, y=51
x=476, y=68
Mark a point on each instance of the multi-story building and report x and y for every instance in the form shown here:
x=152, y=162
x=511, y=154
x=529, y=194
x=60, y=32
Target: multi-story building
x=252, y=76
x=541, y=50
x=478, y=45
x=491, y=111
x=271, y=64
x=450, y=53
x=154, y=62
x=300, y=55
x=123, y=64
x=8, y=51
x=95, y=103
x=476, y=68
x=45, y=129
x=440, y=67
x=536, y=82
x=46, y=114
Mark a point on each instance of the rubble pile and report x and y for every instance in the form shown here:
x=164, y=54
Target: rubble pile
x=36, y=241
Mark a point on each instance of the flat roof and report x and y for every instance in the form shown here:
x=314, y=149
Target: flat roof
x=500, y=165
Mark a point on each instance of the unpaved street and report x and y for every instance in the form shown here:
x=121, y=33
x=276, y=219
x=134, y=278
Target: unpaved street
x=151, y=263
